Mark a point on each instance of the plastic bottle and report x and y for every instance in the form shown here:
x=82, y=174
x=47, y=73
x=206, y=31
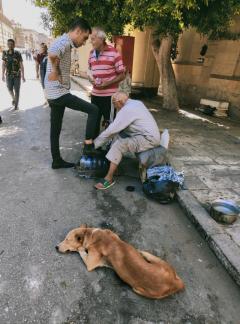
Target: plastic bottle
x=94, y=163
x=83, y=162
x=89, y=163
x=164, y=141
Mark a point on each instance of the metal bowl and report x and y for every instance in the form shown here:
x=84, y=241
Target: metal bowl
x=224, y=211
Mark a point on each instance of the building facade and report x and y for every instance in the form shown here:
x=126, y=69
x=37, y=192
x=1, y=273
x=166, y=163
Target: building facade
x=214, y=75
x=6, y=29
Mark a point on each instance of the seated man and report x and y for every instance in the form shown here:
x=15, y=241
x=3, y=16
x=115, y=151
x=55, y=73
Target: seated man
x=134, y=130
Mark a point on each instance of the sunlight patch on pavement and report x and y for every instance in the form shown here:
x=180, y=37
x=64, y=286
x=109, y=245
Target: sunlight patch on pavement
x=194, y=116
x=12, y=130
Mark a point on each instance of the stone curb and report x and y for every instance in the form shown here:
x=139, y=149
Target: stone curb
x=221, y=243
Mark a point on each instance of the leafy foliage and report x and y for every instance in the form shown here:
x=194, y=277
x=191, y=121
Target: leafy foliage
x=167, y=17
x=171, y=17
x=110, y=14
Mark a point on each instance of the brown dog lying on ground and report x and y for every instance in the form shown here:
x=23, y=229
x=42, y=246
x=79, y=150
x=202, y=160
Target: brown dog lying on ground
x=147, y=274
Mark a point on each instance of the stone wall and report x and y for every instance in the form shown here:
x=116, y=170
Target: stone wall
x=216, y=77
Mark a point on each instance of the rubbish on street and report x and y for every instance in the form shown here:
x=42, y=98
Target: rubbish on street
x=162, y=183
x=130, y=188
x=214, y=108
x=166, y=172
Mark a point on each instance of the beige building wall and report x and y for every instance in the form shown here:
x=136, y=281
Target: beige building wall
x=218, y=77
x=145, y=70
x=6, y=31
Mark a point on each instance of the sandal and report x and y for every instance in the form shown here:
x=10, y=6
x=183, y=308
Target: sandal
x=104, y=184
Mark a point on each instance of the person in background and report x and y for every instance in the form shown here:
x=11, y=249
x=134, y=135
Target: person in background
x=57, y=86
x=41, y=66
x=106, y=70
x=133, y=130
x=12, y=71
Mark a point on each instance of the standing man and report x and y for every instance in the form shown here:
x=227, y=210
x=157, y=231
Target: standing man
x=12, y=71
x=57, y=86
x=41, y=66
x=107, y=70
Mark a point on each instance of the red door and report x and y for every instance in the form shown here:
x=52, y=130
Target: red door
x=125, y=46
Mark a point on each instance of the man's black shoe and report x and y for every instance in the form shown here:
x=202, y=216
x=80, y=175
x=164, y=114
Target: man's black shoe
x=61, y=164
x=0, y=120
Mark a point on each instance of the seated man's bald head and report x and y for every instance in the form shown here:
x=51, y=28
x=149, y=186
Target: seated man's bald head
x=119, y=99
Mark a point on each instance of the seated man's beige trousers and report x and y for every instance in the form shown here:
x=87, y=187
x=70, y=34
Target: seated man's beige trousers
x=134, y=144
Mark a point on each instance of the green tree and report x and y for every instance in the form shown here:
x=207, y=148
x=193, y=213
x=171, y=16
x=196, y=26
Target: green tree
x=110, y=14
x=168, y=19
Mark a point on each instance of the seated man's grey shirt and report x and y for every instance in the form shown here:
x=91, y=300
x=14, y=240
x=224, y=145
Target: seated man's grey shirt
x=62, y=48
x=134, y=119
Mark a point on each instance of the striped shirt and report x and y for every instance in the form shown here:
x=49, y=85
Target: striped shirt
x=61, y=48
x=105, y=67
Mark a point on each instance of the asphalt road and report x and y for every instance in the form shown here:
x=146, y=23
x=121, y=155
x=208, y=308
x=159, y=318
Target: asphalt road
x=40, y=205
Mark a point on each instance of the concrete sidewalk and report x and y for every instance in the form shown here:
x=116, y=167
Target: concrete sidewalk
x=207, y=149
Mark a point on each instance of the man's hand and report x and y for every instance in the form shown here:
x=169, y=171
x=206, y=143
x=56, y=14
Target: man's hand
x=103, y=85
x=23, y=78
x=3, y=78
x=54, y=76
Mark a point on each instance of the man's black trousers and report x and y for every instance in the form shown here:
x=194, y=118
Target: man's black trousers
x=57, y=111
x=104, y=109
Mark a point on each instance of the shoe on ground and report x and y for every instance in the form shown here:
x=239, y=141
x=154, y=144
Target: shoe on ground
x=61, y=164
x=1, y=120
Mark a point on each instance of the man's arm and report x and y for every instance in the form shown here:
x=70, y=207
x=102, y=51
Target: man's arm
x=3, y=70
x=55, y=75
x=122, y=121
x=22, y=71
x=37, y=67
x=117, y=79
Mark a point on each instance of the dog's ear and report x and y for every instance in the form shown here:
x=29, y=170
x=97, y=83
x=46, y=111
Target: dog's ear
x=83, y=226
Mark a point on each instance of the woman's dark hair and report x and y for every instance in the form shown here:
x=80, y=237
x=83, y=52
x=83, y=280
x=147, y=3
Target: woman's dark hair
x=82, y=24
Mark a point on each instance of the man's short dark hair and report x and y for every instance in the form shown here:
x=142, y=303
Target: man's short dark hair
x=83, y=24
x=11, y=40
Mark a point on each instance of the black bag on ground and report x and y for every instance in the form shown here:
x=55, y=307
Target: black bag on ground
x=164, y=191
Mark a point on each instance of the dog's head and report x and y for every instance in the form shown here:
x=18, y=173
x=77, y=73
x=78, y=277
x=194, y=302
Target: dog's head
x=73, y=241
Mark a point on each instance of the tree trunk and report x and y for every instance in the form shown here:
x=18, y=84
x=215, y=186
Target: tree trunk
x=162, y=51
